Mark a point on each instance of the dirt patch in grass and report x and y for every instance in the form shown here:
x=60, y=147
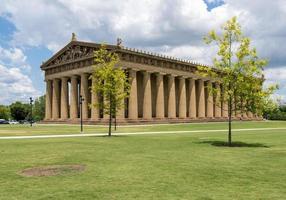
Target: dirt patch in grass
x=52, y=170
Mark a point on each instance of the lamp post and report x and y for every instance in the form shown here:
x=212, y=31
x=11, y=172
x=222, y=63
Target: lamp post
x=81, y=99
x=31, y=116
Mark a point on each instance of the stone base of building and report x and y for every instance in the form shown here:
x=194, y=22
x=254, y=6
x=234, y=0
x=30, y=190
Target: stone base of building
x=144, y=121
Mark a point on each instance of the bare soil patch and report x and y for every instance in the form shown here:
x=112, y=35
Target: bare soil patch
x=52, y=170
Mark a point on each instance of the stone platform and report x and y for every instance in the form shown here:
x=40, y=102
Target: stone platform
x=142, y=121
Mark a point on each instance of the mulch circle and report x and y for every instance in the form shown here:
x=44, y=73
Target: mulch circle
x=52, y=170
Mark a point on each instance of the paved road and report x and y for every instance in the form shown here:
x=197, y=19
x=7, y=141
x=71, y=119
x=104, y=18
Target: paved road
x=132, y=133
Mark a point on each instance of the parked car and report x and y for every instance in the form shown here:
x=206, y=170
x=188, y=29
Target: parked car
x=3, y=121
x=13, y=122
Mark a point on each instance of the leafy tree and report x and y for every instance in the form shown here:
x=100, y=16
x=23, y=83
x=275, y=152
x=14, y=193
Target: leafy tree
x=39, y=108
x=239, y=70
x=271, y=106
x=110, y=82
x=19, y=111
x=282, y=108
x=4, y=112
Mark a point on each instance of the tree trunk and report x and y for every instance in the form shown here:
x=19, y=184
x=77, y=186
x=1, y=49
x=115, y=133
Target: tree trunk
x=115, y=122
x=229, y=121
x=110, y=116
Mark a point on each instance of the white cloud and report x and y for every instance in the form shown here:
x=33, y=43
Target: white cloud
x=146, y=22
x=173, y=27
x=276, y=74
x=214, y=1
x=14, y=57
x=15, y=86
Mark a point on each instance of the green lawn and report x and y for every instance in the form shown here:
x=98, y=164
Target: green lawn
x=43, y=129
x=159, y=166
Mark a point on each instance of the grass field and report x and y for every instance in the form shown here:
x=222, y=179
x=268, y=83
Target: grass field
x=42, y=129
x=159, y=166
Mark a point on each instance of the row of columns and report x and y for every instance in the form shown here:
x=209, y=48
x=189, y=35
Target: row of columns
x=175, y=97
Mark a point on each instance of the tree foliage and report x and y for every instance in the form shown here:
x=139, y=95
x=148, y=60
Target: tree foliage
x=5, y=112
x=110, y=82
x=239, y=70
x=39, y=108
x=19, y=111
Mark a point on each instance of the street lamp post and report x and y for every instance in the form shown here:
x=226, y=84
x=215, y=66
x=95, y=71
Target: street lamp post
x=31, y=116
x=81, y=99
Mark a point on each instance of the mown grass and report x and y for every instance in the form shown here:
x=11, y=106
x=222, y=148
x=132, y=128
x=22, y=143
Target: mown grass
x=43, y=129
x=161, y=166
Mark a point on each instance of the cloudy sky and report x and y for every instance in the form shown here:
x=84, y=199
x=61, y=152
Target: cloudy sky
x=31, y=31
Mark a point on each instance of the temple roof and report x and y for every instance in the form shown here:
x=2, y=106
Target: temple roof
x=80, y=50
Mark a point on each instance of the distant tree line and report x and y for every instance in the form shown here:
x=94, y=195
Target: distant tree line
x=279, y=113
x=22, y=111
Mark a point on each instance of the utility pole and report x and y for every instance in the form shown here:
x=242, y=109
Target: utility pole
x=81, y=99
x=31, y=115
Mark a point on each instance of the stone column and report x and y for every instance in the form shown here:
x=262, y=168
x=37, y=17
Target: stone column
x=224, y=107
x=209, y=100
x=64, y=98
x=192, y=100
x=182, y=98
x=56, y=99
x=121, y=112
x=94, y=100
x=243, y=113
x=48, y=113
x=250, y=115
x=133, y=104
x=217, y=103
x=160, y=96
x=201, y=99
x=147, y=101
x=74, y=98
x=171, y=97
x=84, y=92
x=237, y=106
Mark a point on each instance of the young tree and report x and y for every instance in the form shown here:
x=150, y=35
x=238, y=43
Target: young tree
x=239, y=70
x=110, y=82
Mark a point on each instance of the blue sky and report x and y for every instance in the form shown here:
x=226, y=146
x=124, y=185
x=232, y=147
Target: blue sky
x=31, y=31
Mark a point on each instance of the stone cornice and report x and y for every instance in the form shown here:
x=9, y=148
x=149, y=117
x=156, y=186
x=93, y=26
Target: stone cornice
x=77, y=54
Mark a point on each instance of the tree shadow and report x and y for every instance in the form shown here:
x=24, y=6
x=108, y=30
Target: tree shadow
x=112, y=136
x=234, y=144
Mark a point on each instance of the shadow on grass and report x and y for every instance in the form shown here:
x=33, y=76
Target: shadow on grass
x=112, y=136
x=234, y=144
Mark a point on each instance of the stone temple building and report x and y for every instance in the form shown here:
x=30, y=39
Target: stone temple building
x=163, y=88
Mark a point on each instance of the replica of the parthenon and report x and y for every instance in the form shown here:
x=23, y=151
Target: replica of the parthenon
x=163, y=88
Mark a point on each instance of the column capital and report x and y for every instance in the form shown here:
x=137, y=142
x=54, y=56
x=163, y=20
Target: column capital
x=132, y=69
x=64, y=78
x=132, y=73
x=159, y=73
x=171, y=75
x=57, y=79
x=182, y=77
x=74, y=76
x=144, y=72
x=192, y=78
x=84, y=74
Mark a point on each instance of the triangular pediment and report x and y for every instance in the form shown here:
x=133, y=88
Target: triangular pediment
x=73, y=51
